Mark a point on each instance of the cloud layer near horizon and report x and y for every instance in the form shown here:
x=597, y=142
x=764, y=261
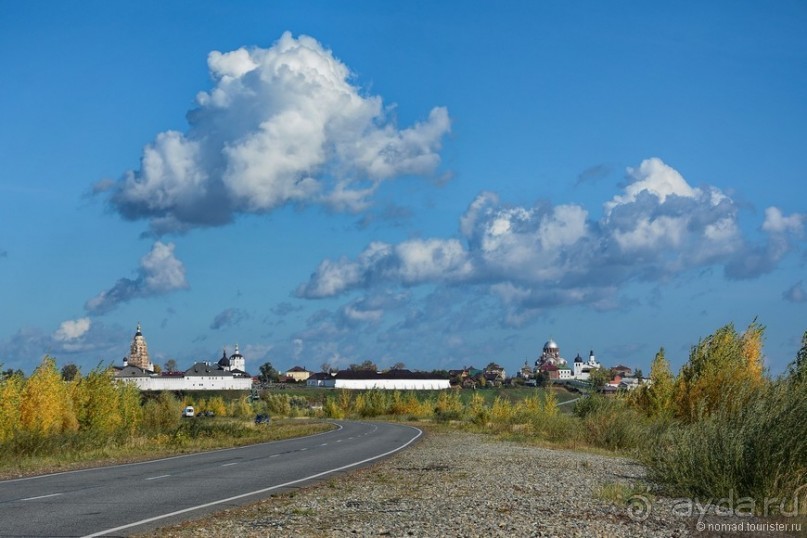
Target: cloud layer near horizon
x=79, y=338
x=282, y=125
x=534, y=258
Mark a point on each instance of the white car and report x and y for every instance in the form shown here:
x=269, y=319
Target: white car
x=188, y=411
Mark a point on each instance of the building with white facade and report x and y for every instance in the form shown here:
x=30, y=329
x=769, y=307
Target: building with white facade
x=227, y=374
x=554, y=366
x=200, y=376
x=366, y=380
x=582, y=370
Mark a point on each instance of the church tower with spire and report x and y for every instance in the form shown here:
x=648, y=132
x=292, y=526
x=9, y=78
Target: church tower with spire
x=139, y=351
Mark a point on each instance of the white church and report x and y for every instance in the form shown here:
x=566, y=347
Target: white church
x=556, y=367
x=229, y=373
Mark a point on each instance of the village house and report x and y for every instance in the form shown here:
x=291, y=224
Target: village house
x=297, y=374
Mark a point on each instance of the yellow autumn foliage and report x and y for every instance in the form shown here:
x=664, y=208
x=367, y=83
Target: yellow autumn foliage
x=10, y=396
x=655, y=398
x=46, y=407
x=723, y=370
x=97, y=402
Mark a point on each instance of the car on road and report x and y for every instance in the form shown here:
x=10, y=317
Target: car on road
x=188, y=411
x=262, y=419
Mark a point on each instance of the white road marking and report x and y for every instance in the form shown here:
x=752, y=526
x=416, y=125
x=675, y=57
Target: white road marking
x=41, y=497
x=158, y=477
x=228, y=464
x=258, y=492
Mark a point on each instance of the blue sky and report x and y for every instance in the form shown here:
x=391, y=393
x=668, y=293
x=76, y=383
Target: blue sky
x=439, y=184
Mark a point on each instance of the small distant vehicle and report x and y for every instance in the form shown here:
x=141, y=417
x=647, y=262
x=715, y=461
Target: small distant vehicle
x=188, y=411
x=262, y=419
x=207, y=413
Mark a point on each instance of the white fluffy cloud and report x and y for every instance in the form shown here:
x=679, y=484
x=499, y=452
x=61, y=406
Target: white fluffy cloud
x=282, y=125
x=777, y=222
x=533, y=258
x=653, y=177
x=72, y=329
x=160, y=272
x=411, y=262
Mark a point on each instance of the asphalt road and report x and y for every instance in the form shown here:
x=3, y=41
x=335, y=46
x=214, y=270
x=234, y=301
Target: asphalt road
x=125, y=499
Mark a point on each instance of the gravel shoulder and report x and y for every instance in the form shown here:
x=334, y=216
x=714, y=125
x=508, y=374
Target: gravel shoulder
x=468, y=485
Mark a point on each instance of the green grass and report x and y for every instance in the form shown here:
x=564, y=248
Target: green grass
x=620, y=493
x=758, y=451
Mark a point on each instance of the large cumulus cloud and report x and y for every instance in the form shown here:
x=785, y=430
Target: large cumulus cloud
x=282, y=125
x=534, y=258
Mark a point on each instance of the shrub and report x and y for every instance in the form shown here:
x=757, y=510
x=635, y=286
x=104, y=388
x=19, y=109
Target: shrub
x=331, y=409
x=477, y=410
x=374, y=403
x=610, y=423
x=756, y=451
x=10, y=396
x=448, y=406
x=162, y=414
x=278, y=404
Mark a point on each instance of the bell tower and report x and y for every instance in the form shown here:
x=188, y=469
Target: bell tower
x=139, y=351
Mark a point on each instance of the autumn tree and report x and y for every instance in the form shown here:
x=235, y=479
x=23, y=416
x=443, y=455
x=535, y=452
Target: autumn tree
x=655, y=398
x=130, y=408
x=723, y=369
x=46, y=407
x=98, y=406
x=10, y=396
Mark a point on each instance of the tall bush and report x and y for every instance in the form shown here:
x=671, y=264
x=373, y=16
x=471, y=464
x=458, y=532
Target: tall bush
x=723, y=363
x=46, y=407
x=96, y=399
x=757, y=451
x=162, y=414
x=655, y=398
x=10, y=395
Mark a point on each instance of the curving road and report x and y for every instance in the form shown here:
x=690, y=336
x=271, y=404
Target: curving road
x=125, y=499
